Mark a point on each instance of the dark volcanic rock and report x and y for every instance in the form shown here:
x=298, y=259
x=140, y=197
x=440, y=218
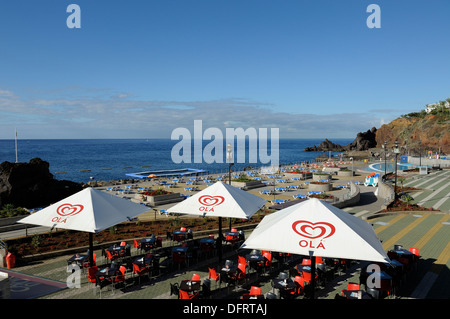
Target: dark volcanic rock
x=31, y=185
x=326, y=146
x=364, y=141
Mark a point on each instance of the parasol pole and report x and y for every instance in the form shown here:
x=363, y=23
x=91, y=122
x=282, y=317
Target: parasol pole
x=219, y=243
x=91, y=250
x=313, y=273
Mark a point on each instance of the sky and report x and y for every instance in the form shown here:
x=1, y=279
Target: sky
x=142, y=68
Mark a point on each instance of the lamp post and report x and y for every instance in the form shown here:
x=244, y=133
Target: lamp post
x=396, y=151
x=420, y=155
x=385, y=164
x=230, y=163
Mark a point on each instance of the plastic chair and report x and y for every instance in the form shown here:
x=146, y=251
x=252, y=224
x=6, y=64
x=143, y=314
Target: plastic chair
x=306, y=261
x=195, y=277
x=110, y=256
x=353, y=286
x=123, y=244
x=87, y=263
x=212, y=274
x=120, y=276
x=416, y=256
x=91, y=274
x=158, y=242
x=183, y=229
x=136, y=245
x=242, y=260
x=255, y=291
x=140, y=271
x=186, y=295
x=175, y=290
x=300, y=284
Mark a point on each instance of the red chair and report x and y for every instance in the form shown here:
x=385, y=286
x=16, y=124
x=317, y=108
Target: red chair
x=91, y=274
x=242, y=260
x=233, y=230
x=120, y=277
x=353, y=286
x=211, y=236
x=307, y=276
x=110, y=256
x=306, y=261
x=267, y=260
x=183, y=229
x=186, y=295
x=319, y=260
x=123, y=244
x=136, y=244
x=87, y=264
x=255, y=291
x=212, y=274
x=415, y=251
x=158, y=242
x=140, y=271
x=195, y=277
x=300, y=285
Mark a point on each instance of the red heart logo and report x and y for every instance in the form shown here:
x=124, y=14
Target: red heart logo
x=208, y=200
x=69, y=209
x=306, y=229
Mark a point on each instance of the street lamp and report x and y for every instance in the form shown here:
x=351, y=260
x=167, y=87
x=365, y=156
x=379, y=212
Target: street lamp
x=396, y=151
x=420, y=155
x=230, y=163
x=385, y=164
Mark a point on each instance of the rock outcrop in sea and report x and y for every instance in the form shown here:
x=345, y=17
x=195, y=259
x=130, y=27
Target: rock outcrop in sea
x=31, y=185
x=362, y=142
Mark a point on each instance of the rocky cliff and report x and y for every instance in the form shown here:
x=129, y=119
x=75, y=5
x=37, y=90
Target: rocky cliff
x=31, y=185
x=433, y=130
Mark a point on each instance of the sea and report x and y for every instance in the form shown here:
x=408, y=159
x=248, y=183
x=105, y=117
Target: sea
x=84, y=160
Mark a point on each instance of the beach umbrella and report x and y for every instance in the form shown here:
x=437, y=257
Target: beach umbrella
x=317, y=228
x=220, y=200
x=90, y=210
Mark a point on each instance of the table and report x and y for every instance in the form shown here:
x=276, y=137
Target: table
x=190, y=285
x=148, y=243
x=286, y=285
x=207, y=244
x=231, y=237
x=301, y=268
x=355, y=294
x=179, y=235
x=79, y=259
x=104, y=275
x=143, y=261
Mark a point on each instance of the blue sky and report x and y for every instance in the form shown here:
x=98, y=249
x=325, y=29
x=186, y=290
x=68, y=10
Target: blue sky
x=140, y=69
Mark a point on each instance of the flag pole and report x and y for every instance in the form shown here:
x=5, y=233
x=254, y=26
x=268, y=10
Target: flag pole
x=16, y=146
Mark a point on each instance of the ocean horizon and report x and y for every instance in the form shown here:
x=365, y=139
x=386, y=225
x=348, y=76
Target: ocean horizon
x=83, y=160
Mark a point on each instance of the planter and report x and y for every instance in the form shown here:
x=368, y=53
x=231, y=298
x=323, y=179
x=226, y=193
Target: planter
x=319, y=176
x=323, y=187
x=248, y=185
x=160, y=199
x=302, y=175
x=333, y=168
x=345, y=173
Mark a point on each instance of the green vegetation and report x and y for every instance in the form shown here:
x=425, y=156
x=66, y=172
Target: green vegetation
x=440, y=108
x=242, y=178
x=9, y=210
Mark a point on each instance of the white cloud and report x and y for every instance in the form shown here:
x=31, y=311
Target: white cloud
x=96, y=117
